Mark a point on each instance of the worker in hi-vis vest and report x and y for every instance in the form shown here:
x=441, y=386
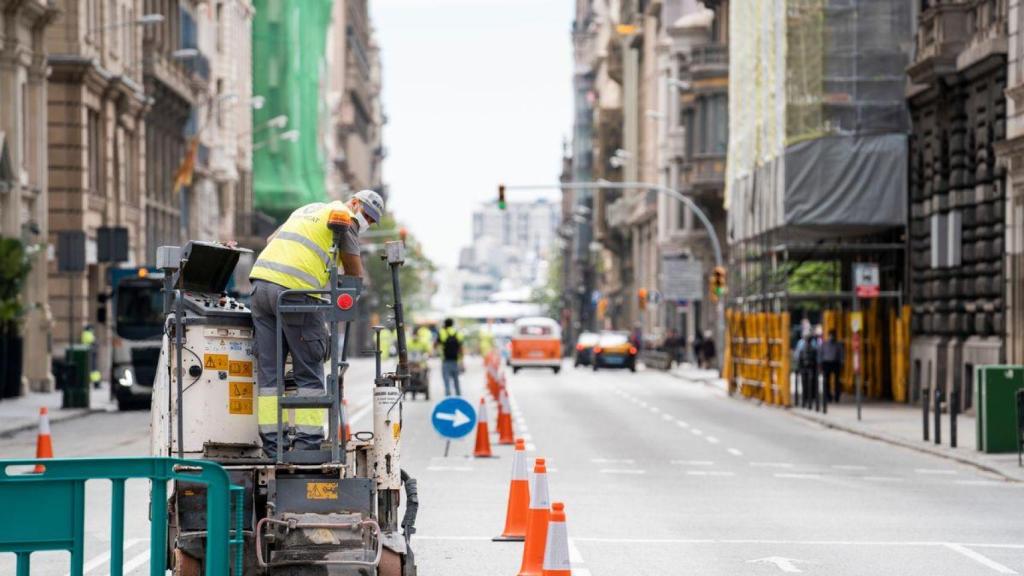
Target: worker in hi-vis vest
x=297, y=257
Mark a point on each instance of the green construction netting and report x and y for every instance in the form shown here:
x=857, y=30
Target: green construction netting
x=288, y=44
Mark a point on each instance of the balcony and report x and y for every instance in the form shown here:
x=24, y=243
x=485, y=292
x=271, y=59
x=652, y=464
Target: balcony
x=709, y=60
x=706, y=173
x=941, y=34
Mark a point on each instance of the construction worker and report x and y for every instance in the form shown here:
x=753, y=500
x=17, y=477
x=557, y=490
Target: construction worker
x=297, y=257
x=88, y=339
x=387, y=337
x=450, y=341
x=486, y=340
x=422, y=341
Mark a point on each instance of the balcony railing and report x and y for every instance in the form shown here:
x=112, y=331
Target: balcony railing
x=707, y=171
x=707, y=58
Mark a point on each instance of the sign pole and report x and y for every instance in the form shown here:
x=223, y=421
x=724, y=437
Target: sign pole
x=859, y=379
x=447, y=445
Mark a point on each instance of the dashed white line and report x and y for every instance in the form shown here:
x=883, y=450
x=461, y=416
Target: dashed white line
x=682, y=424
x=849, y=467
x=735, y=452
x=935, y=472
x=797, y=476
x=709, y=473
x=980, y=558
x=696, y=431
x=449, y=469
x=772, y=464
x=612, y=460
x=882, y=479
x=633, y=471
x=105, y=557
x=693, y=462
x=712, y=439
x=136, y=561
x=655, y=409
x=667, y=417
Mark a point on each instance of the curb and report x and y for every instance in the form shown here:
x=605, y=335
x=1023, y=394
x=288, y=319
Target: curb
x=63, y=417
x=904, y=444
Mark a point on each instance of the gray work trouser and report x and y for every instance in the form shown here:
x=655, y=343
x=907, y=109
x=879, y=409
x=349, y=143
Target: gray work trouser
x=305, y=336
x=450, y=373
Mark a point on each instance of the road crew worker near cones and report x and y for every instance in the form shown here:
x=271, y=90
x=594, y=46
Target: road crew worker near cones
x=297, y=257
x=450, y=342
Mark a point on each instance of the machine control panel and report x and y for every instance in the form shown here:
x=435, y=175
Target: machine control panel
x=206, y=304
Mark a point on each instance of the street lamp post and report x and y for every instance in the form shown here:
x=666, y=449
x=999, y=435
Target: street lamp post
x=716, y=247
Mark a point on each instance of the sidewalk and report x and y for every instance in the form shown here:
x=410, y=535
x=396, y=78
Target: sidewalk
x=901, y=424
x=898, y=424
x=22, y=413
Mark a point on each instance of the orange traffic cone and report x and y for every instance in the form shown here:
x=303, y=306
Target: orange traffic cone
x=346, y=432
x=492, y=375
x=483, y=438
x=536, y=523
x=44, y=444
x=518, y=498
x=556, y=551
x=505, y=433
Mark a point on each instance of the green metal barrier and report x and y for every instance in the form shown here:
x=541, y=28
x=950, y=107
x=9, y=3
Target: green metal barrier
x=46, y=511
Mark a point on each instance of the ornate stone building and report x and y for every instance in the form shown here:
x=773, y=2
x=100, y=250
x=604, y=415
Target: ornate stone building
x=957, y=211
x=23, y=161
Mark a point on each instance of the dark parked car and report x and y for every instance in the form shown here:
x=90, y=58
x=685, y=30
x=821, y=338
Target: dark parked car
x=585, y=348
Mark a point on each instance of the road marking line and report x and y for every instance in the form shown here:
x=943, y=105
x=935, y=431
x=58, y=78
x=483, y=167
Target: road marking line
x=849, y=467
x=696, y=431
x=772, y=464
x=682, y=424
x=799, y=476
x=882, y=479
x=667, y=417
x=526, y=436
x=531, y=447
x=937, y=472
x=622, y=471
x=712, y=439
x=358, y=414
x=576, y=560
x=612, y=461
x=105, y=557
x=694, y=462
x=982, y=483
x=449, y=469
x=979, y=558
x=709, y=473
x=136, y=561
x=735, y=452
x=655, y=409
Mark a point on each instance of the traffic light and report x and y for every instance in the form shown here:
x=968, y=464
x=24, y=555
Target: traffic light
x=501, y=197
x=718, y=288
x=641, y=297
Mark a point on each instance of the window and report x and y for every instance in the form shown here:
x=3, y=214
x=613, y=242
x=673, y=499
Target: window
x=221, y=104
x=220, y=27
x=25, y=140
x=95, y=154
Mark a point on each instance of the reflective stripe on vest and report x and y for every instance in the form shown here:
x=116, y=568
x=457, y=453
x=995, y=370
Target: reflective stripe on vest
x=298, y=254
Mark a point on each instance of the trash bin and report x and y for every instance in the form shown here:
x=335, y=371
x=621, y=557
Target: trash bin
x=78, y=359
x=995, y=406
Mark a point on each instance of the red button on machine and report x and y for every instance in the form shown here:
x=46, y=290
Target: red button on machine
x=345, y=301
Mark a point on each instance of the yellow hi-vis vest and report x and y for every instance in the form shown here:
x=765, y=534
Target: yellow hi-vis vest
x=299, y=253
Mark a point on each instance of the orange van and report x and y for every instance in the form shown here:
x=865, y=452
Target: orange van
x=536, y=343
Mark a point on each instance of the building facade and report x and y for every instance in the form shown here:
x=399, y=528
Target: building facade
x=24, y=179
x=1011, y=155
x=97, y=157
x=958, y=199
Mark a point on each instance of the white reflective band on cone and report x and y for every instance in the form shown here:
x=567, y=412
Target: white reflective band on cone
x=481, y=413
x=504, y=403
x=519, y=466
x=44, y=424
x=539, y=499
x=556, y=552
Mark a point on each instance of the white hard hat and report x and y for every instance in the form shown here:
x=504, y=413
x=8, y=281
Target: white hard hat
x=372, y=203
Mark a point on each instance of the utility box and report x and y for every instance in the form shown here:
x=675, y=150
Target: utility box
x=78, y=363
x=996, y=408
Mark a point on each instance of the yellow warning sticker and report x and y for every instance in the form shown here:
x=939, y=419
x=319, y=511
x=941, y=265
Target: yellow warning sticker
x=243, y=389
x=240, y=397
x=240, y=368
x=396, y=430
x=322, y=491
x=215, y=361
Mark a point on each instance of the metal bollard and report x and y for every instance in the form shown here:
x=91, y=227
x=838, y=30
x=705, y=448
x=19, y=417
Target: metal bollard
x=954, y=409
x=938, y=415
x=925, y=401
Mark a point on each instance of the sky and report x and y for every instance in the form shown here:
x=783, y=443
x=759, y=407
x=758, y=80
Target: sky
x=476, y=92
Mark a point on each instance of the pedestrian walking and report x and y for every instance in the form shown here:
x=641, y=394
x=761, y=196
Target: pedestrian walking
x=450, y=341
x=832, y=366
x=297, y=257
x=698, y=350
x=708, y=351
x=807, y=359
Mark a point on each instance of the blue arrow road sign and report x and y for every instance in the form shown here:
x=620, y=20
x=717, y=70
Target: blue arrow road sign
x=453, y=417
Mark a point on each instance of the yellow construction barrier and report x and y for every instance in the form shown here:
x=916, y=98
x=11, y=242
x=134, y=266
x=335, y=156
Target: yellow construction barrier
x=757, y=357
x=758, y=354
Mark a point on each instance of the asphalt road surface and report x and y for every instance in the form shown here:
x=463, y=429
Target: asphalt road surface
x=659, y=477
